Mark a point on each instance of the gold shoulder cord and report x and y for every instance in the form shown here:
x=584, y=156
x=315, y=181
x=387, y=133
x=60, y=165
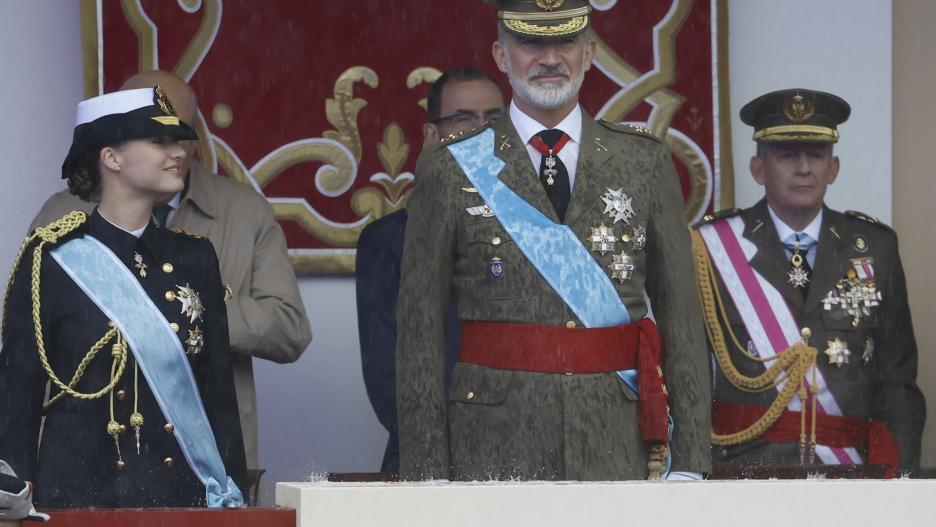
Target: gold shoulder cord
x=790, y=369
x=52, y=234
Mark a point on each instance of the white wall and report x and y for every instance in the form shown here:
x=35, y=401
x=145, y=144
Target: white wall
x=40, y=53
x=839, y=46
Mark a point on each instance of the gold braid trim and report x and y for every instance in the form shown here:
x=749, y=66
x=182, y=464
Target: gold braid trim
x=791, y=366
x=51, y=234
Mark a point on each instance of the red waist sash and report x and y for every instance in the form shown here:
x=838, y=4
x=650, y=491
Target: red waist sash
x=835, y=431
x=556, y=349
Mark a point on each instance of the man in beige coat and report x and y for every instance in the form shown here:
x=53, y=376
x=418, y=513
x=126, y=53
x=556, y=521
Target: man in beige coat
x=266, y=318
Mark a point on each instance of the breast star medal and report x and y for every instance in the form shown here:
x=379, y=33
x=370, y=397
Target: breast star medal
x=602, y=239
x=195, y=341
x=618, y=205
x=191, y=303
x=138, y=263
x=798, y=276
x=622, y=267
x=837, y=352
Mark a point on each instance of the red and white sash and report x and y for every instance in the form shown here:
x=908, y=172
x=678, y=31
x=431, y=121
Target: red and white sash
x=766, y=315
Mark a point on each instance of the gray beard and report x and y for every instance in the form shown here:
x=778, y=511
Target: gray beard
x=547, y=96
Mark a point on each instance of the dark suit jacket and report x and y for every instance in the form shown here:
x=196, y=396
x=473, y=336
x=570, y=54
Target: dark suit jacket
x=377, y=275
x=74, y=464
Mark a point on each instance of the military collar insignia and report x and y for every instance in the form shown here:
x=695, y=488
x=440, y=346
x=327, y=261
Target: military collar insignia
x=618, y=205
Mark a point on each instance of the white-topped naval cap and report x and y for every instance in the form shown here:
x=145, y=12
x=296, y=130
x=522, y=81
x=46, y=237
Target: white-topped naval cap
x=113, y=103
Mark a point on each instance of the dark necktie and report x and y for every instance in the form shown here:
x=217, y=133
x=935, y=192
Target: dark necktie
x=161, y=213
x=553, y=173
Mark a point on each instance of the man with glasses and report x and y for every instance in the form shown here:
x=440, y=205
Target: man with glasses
x=459, y=100
x=553, y=232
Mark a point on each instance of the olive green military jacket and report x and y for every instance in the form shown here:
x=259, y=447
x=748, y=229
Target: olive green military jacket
x=879, y=380
x=512, y=424
x=266, y=317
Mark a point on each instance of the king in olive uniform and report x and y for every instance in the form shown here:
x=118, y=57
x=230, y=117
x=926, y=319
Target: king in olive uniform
x=536, y=393
x=797, y=268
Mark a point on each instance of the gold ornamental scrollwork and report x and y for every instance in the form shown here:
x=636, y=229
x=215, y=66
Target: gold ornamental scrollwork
x=342, y=109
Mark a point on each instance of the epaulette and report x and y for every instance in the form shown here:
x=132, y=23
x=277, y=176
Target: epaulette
x=711, y=218
x=184, y=232
x=626, y=128
x=461, y=136
x=868, y=218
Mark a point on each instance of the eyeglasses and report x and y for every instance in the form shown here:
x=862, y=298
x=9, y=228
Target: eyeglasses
x=471, y=119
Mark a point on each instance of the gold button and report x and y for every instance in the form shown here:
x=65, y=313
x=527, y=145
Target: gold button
x=170, y=296
x=496, y=240
x=168, y=462
x=121, y=394
x=167, y=267
x=625, y=238
x=168, y=428
x=570, y=324
x=469, y=396
x=174, y=327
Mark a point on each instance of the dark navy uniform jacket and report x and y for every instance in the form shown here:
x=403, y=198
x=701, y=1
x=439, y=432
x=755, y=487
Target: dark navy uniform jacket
x=379, y=251
x=74, y=463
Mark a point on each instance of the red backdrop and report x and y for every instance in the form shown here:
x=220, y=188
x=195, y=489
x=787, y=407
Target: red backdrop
x=319, y=104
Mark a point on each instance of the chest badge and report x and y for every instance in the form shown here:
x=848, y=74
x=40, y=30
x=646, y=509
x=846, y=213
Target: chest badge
x=618, y=205
x=481, y=210
x=497, y=268
x=192, y=306
x=837, y=352
x=602, y=239
x=195, y=341
x=622, y=267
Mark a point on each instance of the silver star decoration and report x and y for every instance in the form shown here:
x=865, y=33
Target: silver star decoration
x=191, y=303
x=838, y=352
x=602, y=239
x=618, y=205
x=798, y=277
x=622, y=267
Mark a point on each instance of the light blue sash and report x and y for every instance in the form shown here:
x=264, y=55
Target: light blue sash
x=552, y=248
x=114, y=289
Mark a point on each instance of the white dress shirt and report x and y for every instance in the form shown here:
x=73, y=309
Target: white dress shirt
x=784, y=231
x=527, y=127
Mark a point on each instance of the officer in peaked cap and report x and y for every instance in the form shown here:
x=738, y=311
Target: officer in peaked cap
x=547, y=227
x=806, y=274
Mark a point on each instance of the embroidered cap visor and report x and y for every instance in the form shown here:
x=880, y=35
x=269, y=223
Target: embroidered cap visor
x=796, y=115
x=121, y=116
x=543, y=18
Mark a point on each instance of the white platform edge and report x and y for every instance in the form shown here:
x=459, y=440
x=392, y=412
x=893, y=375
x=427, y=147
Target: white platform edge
x=543, y=504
